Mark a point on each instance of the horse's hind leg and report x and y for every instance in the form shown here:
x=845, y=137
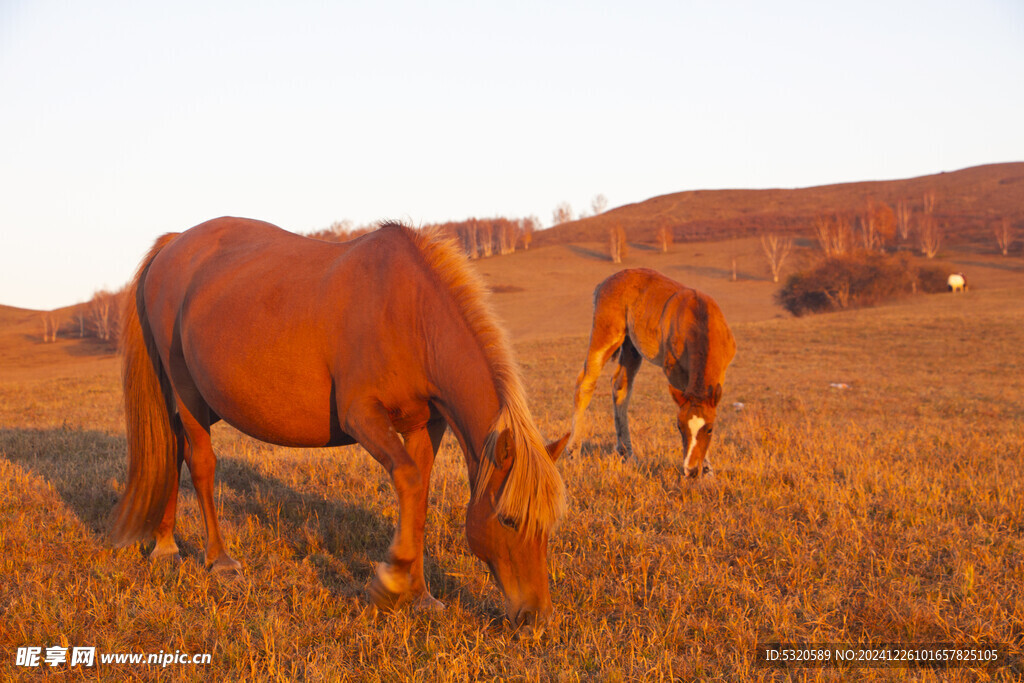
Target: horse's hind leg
x=605, y=339
x=622, y=388
x=164, y=533
x=202, y=464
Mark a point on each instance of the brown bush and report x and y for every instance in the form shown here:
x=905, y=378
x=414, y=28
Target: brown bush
x=858, y=280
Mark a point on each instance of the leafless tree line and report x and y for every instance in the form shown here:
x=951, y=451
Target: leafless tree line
x=51, y=322
x=563, y=213
x=342, y=231
x=479, y=237
x=839, y=234
x=482, y=238
x=878, y=225
x=98, y=318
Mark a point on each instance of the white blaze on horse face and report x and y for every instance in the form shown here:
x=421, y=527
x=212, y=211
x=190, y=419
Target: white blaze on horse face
x=694, y=425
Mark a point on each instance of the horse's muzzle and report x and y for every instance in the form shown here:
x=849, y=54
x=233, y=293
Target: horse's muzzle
x=694, y=472
x=530, y=622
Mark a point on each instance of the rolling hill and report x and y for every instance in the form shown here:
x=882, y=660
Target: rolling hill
x=968, y=202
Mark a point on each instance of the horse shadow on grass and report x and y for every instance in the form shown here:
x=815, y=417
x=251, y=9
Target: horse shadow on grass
x=82, y=466
x=347, y=538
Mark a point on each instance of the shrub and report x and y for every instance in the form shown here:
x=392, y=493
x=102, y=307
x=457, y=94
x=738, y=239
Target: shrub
x=855, y=280
x=932, y=277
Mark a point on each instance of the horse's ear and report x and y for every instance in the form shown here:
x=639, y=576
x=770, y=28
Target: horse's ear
x=677, y=395
x=504, y=448
x=555, y=448
x=717, y=393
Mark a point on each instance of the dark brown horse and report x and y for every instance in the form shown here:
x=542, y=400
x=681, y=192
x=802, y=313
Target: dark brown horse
x=385, y=340
x=643, y=314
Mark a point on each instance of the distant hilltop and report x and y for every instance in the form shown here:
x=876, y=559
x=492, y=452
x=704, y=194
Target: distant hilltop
x=968, y=203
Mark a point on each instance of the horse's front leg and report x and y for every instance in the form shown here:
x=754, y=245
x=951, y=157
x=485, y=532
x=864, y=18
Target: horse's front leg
x=422, y=445
x=400, y=580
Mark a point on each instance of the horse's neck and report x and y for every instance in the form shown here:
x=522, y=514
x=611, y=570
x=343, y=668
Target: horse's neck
x=467, y=395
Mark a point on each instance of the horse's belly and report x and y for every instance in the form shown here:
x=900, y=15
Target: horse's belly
x=288, y=407
x=306, y=433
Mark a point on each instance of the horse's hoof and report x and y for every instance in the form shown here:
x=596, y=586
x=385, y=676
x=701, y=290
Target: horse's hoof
x=428, y=603
x=171, y=556
x=226, y=565
x=388, y=589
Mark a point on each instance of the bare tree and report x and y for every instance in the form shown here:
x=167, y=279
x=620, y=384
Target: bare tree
x=776, y=249
x=485, y=237
x=664, y=235
x=883, y=220
x=835, y=236
x=472, y=248
x=529, y=226
x=103, y=314
x=1004, y=235
x=51, y=325
x=843, y=237
x=617, y=247
x=929, y=233
x=501, y=236
x=823, y=227
x=562, y=214
x=599, y=204
x=508, y=235
x=903, y=219
x=929, y=201
x=878, y=224
x=868, y=234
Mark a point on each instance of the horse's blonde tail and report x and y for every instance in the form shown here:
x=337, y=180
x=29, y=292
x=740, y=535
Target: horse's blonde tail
x=152, y=445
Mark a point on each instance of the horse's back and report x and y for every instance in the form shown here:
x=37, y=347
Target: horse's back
x=648, y=301
x=631, y=285
x=238, y=269
x=659, y=311
x=259, y=320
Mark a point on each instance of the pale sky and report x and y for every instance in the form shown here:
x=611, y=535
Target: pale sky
x=120, y=121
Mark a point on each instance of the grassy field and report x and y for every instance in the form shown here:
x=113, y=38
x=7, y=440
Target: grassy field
x=888, y=509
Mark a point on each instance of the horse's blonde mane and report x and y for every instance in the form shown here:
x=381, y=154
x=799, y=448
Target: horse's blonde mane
x=533, y=495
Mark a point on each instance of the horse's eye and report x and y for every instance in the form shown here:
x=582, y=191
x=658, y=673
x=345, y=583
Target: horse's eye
x=508, y=522
x=709, y=430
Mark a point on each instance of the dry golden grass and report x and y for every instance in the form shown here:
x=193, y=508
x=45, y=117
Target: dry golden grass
x=891, y=510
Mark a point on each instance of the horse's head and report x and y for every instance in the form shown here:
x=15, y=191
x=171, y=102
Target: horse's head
x=508, y=527
x=696, y=422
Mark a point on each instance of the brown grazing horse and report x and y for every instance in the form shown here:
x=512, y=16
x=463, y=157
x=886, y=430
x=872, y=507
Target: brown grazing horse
x=385, y=340
x=643, y=314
